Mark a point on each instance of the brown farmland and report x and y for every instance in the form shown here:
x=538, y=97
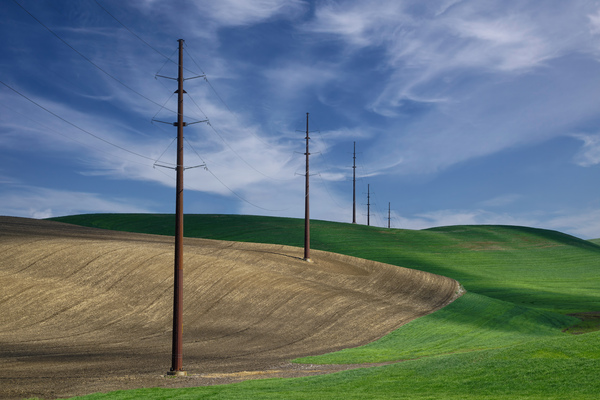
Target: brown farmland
x=85, y=310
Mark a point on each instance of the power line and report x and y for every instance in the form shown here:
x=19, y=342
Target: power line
x=327, y=164
x=191, y=98
x=70, y=138
x=163, y=106
x=75, y=126
x=200, y=68
x=133, y=33
x=168, y=59
x=163, y=153
x=223, y=101
x=224, y=185
x=329, y=193
x=141, y=95
x=230, y=147
x=87, y=59
x=240, y=197
x=325, y=182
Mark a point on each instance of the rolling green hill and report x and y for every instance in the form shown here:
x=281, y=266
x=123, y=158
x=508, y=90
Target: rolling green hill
x=595, y=241
x=536, y=268
x=503, y=339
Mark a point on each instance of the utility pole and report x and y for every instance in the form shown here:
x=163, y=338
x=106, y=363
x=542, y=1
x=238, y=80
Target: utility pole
x=389, y=213
x=368, y=204
x=177, y=353
x=306, y=204
x=354, y=185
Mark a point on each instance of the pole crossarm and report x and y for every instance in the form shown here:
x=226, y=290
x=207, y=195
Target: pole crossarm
x=194, y=77
x=196, y=166
x=157, y=164
x=166, y=77
x=162, y=122
x=177, y=123
x=195, y=122
x=185, y=79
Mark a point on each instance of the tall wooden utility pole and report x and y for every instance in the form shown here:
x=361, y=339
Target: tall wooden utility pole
x=354, y=185
x=306, y=204
x=177, y=353
x=368, y=204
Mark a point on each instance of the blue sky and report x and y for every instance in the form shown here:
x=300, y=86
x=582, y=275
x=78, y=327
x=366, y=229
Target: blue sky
x=463, y=112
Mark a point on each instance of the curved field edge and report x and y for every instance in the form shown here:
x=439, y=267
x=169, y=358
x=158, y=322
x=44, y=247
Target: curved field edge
x=536, y=268
x=552, y=368
x=472, y=330
x=471, y=323
x=75, y=300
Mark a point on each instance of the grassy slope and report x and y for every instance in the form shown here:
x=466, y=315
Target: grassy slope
x=557, y=368
x=502, y=339
x=472, y=323
x=531, y=267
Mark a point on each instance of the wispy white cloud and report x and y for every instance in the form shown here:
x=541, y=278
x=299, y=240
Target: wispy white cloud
x=359, y=23
x=239, y=155
x=594, y=22
x=290, y=80
x=581, y=223
x=422, y=86
x=245, y=12
x=40, y=202
x=590, y=152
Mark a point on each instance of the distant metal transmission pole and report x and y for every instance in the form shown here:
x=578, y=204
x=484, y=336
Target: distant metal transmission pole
x=368, y=204
x=354, y=185
x=389, y=213
x=306, y=204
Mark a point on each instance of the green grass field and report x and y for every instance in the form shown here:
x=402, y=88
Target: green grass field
x=557, y=368
x=532, y=267
x=503, y=339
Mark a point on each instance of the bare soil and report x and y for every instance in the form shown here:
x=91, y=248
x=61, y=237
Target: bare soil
x=86, y=310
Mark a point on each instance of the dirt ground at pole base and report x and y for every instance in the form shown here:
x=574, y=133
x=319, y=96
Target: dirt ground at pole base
x=86, y=310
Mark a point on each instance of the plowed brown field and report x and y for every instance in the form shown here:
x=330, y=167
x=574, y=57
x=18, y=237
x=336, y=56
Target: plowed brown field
x=85, y=310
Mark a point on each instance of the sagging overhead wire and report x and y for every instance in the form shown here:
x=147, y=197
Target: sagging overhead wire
x=129, y=30
x=168, y=59
x=141, y=95
x=165, y=63
x=72, y=139
x=163, y=107
x=240, y=197
x=230, y=147
x=75, y=126
x=327, y=165
x=163, y=153
x=225, y=186
x=329, y=193
x=223, y=101
x=87, y=59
